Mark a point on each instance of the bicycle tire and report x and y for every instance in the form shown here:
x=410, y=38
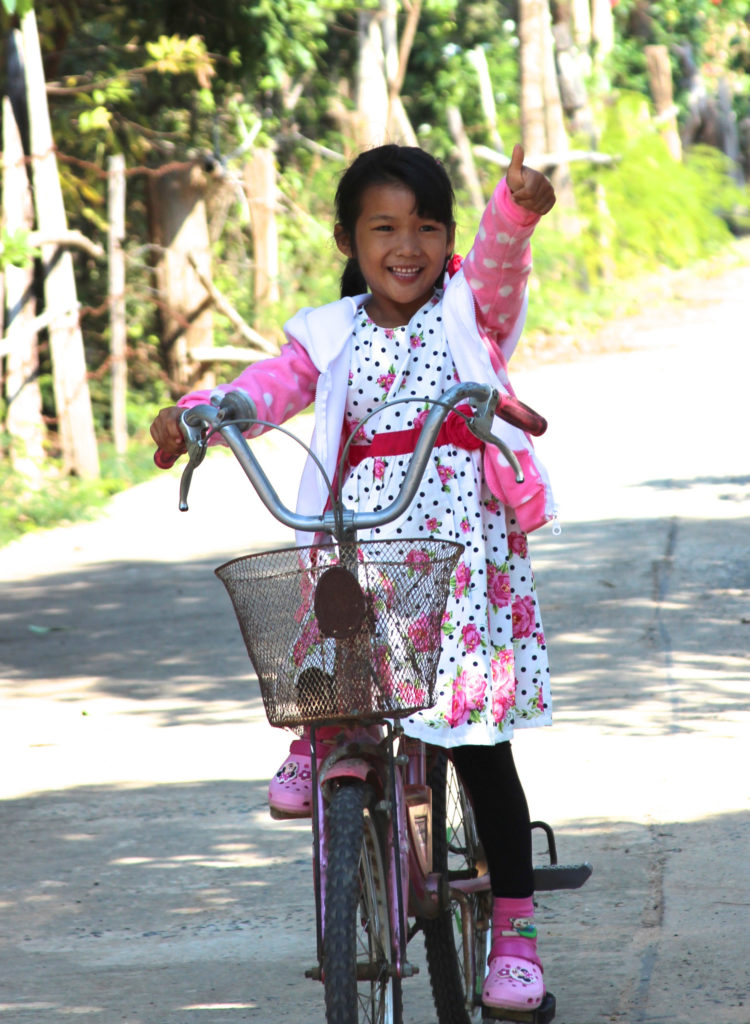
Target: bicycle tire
x=360, y=987
x=456, y=848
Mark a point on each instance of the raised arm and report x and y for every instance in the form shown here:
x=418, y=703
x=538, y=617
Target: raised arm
x=498, y=265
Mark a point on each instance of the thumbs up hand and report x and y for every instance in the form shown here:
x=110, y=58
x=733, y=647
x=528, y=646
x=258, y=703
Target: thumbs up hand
x=528, y=188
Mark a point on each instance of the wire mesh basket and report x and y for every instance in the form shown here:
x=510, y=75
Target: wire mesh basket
x=346, y=631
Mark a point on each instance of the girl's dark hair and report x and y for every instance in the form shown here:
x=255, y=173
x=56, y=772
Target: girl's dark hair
x=410, y=166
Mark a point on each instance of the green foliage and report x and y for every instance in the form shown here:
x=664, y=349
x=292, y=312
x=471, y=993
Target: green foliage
x=311, y=264
x=17, y=7
x=15, y=249
x=163, y=80
x=63, y=500
x=699, y=30
x=643, y=212
x=664, y=211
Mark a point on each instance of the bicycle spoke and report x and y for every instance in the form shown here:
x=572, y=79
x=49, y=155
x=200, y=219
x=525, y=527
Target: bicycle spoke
x=456, y=984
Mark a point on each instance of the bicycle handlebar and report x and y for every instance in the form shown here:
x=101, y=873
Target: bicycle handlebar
x=235, y=412
x=163, y=460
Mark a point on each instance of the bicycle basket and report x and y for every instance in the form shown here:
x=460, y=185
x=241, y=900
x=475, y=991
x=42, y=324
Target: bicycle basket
x=347, y=631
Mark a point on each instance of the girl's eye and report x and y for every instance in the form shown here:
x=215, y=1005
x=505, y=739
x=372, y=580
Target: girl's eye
x=388, y=228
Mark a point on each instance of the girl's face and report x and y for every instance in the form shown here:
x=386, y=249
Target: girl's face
x=401, y=254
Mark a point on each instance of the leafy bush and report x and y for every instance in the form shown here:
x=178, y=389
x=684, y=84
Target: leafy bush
x=61, y=500
x=644, y=211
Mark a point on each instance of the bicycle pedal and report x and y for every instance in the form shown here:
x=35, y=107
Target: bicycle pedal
x=542, y=1015
x=278, y=815
x=561, y=876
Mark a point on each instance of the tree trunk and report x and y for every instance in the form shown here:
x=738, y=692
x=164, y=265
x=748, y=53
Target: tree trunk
x=260, y=187
x=743, y=134
x=701, y=123
x=23, y=419
x=380, y=116
x=571, y=70
x=465, y=157
x=554, y=120
x=729, y=131
x=660, y=79
x=602, y=30
x=179, y=228
x=478, y=60
x=371, y=88
x=118, y=333
x=542, y=121
x=72, y=400
x=580, y=17
x=396, y=57
x=533, y=124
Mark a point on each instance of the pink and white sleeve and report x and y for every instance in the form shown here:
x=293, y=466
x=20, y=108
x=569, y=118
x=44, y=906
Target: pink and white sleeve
x=497, y=268
x=279, y=387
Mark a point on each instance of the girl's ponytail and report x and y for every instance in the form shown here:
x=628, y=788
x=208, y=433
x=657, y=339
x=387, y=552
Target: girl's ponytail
x=352, y=281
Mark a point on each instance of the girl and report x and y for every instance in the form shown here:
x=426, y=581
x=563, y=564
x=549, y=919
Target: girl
x=411, y=321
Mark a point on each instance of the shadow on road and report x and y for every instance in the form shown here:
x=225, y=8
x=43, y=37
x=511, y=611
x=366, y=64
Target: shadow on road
x=618, y=597
x=144, y=631
x=648, y=621
x=119, y=890
x=176, y=891
x=160, y=903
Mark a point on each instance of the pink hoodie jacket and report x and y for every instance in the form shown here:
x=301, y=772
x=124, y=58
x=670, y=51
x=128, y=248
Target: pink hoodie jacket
x=484, y=307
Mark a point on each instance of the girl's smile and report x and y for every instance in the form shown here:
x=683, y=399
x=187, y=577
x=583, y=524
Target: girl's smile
x=401, y=253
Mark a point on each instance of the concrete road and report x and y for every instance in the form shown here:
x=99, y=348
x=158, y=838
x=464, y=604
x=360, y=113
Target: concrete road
x=142, y=878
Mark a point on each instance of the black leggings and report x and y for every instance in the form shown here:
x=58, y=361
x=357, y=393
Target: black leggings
x=502, y=815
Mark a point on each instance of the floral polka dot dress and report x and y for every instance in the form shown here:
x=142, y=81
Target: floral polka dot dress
x=493, y=673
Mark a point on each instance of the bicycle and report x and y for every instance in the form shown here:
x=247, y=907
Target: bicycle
x=392, y=826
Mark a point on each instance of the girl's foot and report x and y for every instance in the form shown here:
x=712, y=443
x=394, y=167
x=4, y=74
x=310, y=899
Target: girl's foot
x=513, y=983
x=290, y=790
x=515, y=980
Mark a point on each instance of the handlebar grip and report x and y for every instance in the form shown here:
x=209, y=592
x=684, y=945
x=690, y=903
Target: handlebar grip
x=164, y=460
x=239, y=407
x=510, y=409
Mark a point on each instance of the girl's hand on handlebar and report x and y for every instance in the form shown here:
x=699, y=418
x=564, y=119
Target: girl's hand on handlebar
x=165, y=430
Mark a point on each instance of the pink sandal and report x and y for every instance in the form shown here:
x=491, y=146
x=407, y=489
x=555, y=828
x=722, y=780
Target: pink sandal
x=515, y=980
x=290, y=790
x=513, y=983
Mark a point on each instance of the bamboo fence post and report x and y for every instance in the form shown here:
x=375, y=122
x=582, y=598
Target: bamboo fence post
x=260, y=187
x=72, y=398
x=118, y=335
x=660, y=79
x=23, y=417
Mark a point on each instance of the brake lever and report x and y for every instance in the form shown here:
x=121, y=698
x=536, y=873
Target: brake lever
x=196, y=445
x=481, y=425
x=234, y=406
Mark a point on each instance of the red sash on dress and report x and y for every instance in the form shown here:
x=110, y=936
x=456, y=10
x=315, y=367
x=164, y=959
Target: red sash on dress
x=454, y=431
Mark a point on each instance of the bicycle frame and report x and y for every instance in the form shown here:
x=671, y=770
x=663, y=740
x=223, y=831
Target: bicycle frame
x=365, y=750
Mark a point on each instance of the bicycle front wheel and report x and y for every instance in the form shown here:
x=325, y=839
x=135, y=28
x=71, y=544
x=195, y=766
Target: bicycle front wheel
x=360, y=986
x=456, y=967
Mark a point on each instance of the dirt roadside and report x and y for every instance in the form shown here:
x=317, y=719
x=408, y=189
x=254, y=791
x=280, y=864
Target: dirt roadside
x=142, y=879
